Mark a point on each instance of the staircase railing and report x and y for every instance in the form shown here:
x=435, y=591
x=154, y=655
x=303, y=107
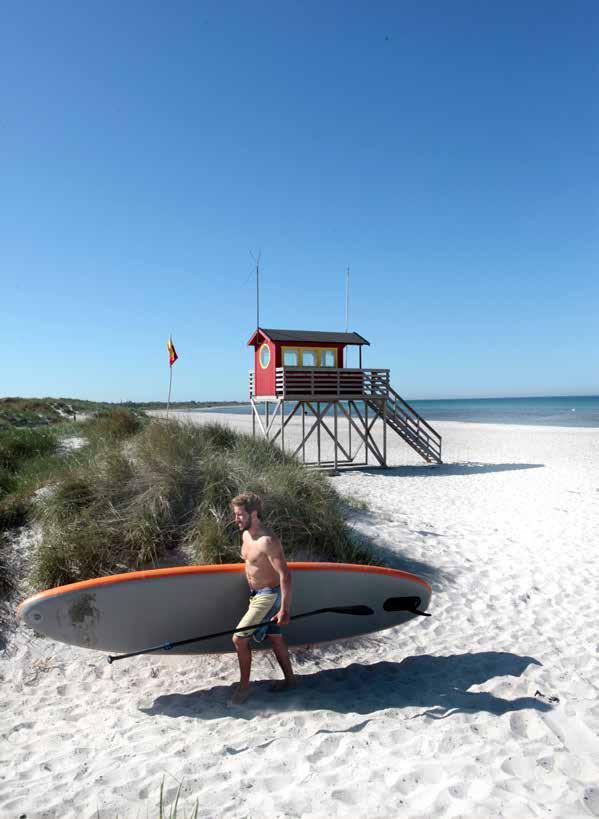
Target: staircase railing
x=411, y=426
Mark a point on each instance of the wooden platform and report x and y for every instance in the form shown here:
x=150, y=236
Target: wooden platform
x=324, y=396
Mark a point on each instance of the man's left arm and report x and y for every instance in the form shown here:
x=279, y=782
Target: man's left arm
x=274, y=550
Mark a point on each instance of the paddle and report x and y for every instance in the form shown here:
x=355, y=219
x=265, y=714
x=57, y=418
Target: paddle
x=354, y=610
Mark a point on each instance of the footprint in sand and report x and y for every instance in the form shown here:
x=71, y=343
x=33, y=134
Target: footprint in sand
x=345, y=796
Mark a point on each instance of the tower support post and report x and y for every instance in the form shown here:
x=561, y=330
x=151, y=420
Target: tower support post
x=319, y=430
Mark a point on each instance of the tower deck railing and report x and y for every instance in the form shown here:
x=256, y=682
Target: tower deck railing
x=325, y=382
x=370, y=386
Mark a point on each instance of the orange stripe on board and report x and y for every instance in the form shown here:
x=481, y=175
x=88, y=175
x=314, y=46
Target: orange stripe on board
x=150, y=574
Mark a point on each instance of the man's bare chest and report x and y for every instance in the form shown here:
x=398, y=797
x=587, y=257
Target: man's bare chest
x=252, y=553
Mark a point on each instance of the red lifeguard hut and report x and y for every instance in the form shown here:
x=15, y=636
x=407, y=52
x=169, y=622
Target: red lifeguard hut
x=302, y=373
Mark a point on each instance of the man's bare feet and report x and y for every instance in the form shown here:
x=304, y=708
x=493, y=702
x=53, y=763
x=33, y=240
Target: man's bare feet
x=283, y=685
x=240, y=696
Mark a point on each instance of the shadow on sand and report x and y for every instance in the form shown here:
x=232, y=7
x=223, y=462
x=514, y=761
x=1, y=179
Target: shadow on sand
x=396, y=558
x=437, y=577
x=438, y=685
x=443, y=470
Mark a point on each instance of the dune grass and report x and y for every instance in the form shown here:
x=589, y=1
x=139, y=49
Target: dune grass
x=173, y=810
x=18, y=445
x=21, y=452
x=32, y=457
x=115, y=423
x=35, y=412
x=127, y=506
x=24, y=455
x=7, y=573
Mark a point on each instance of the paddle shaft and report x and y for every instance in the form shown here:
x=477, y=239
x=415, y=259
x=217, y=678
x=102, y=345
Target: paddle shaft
x=355, y=610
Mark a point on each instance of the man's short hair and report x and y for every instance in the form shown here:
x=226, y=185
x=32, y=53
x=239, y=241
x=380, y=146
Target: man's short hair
x=250, y=502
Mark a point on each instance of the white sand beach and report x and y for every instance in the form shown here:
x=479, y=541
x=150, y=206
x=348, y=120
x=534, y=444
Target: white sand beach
x=489, y=708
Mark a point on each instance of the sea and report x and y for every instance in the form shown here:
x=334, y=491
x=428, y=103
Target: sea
x=561, y=411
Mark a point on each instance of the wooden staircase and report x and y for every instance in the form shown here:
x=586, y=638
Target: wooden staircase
x=405, y=421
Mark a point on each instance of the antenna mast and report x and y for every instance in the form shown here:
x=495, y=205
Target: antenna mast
x=346, y=299
x=257, y=260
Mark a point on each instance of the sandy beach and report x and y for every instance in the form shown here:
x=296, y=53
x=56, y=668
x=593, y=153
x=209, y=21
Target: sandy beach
x=489, y=708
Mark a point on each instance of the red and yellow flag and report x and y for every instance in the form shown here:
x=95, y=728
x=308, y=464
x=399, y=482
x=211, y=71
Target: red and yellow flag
x=172, y=353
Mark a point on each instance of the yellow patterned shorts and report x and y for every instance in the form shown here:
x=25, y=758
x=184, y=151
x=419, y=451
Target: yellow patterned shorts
x=263, y=605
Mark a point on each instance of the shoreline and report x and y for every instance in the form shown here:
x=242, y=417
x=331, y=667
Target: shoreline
x=432, y=421
x=224, y=417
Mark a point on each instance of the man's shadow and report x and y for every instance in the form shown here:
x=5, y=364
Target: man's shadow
x=439, y=685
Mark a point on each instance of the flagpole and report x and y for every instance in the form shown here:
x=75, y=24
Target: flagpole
x=170, y=385
x=172, y=357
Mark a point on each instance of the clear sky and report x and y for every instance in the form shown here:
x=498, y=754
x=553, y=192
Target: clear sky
x=445, y=151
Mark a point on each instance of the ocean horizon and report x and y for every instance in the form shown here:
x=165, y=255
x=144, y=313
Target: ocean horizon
x=562, y=410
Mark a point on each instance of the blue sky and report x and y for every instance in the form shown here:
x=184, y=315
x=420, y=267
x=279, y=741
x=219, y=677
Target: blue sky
x=446, y=152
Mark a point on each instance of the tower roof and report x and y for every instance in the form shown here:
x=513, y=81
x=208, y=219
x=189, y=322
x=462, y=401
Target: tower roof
x=309, y=336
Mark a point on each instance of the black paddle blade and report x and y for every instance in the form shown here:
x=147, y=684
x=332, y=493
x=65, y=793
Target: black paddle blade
x=404, y=604
x=359, y=610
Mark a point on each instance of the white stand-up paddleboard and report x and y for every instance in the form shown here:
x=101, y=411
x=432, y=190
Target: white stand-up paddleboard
x=128, y=612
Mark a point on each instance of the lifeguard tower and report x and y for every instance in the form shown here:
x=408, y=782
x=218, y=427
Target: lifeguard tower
x=301, y=374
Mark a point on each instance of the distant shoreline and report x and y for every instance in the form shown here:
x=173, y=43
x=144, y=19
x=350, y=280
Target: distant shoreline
x=563, y=411
x=182, y=404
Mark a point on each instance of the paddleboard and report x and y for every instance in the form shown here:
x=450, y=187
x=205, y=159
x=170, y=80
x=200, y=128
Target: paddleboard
x=128, y=612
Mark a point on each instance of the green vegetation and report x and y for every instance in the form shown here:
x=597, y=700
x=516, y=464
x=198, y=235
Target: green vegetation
x=138, y=489
x=7, y=574
x=113, y=424
x=24, y=455
x=180, y=405
x=33, y=463
x=35, y=412
x=30, y=457
x=17, y=446
x=174, y=808
x=357, y=504
x=118, y=507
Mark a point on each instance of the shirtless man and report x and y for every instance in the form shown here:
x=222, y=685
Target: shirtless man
x=269, y=580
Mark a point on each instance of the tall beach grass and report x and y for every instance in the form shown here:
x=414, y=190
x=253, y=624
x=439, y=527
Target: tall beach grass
x=114, y=423
x=23, y=454
x=123, y=506
x=33, y=461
